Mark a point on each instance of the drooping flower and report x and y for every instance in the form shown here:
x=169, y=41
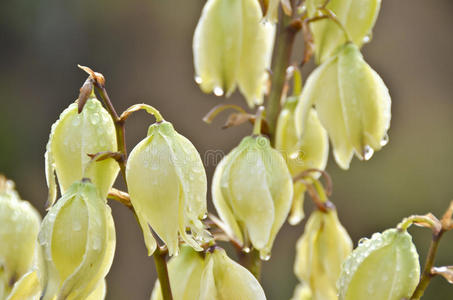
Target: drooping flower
x=310, y=151
x=383, y=267
x=224, y=279
x=21, y=261
x=321, y=251
x=167, y=185
x=352, y=102
x=252, y=192
x=356, y=16
x=232, y=46
x=78, y=238
x=72, y=138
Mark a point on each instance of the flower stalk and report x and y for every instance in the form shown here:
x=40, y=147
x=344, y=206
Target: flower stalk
x=287, y=30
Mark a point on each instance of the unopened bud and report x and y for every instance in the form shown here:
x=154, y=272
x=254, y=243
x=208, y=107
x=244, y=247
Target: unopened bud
x=252, y=191
x=78, y=238
x=352, y=102
x=356, y=16
x=233, y=46
x=383, y=267
x=321, y=251
x=167, y=185
x=72, y=138
x=309, y=151
x=20, y=254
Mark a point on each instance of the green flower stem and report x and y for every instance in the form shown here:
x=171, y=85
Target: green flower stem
x=287, y=29
x=427, y=275
x=162, y=273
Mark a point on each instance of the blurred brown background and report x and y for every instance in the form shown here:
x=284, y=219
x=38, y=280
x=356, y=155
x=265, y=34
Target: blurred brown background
x=144, y=50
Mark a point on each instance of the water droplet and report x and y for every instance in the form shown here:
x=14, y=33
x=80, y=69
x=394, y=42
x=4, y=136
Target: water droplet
x=294, y=155
x=362, y=240
x=265, y=256
x=198, y=79
x=366, y=39
x=218, y=91
x=94, y=118
x=385, y=140
x=246, y=249
x=367, y=152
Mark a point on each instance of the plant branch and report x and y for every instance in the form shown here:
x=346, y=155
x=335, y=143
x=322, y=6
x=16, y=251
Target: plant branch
x=427, y=275
x=287, y=29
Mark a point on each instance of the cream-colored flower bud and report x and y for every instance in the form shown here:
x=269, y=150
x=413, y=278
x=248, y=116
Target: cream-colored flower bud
x=252, y=191
x=311, y=150
x=357, y=17
x=225, y=279
x=20, y=254
x=167, y=184
x=78, y=238
x=72, y=137
x=352, y=102
x=184, y=272
x=383, y=267
x=321, y=250
x=233, y=46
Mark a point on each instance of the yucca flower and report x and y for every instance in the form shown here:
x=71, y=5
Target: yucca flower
x=252, y=191
x=78, y=238
x=356, y=16
x=383, y=267
x=352, y=102
x=309, y=151
x=21, y=261
x=321, y=251
x=72, y=138
x=167, y=185
x=232, y=46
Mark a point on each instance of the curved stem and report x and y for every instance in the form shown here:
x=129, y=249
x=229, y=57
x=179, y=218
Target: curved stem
x=210, y=116
x=258, y=121
x=148, y=108
x=427, y=275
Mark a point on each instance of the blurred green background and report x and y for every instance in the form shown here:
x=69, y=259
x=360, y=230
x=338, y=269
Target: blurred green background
x=144, y=50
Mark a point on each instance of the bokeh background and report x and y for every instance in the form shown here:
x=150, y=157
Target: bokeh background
x=143, y=47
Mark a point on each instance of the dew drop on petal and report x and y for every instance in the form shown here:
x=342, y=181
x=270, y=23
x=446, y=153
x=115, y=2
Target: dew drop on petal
x=218, y=91
x=385, y=140
x=198, y=79
x=265, y=256
x=367, y=152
